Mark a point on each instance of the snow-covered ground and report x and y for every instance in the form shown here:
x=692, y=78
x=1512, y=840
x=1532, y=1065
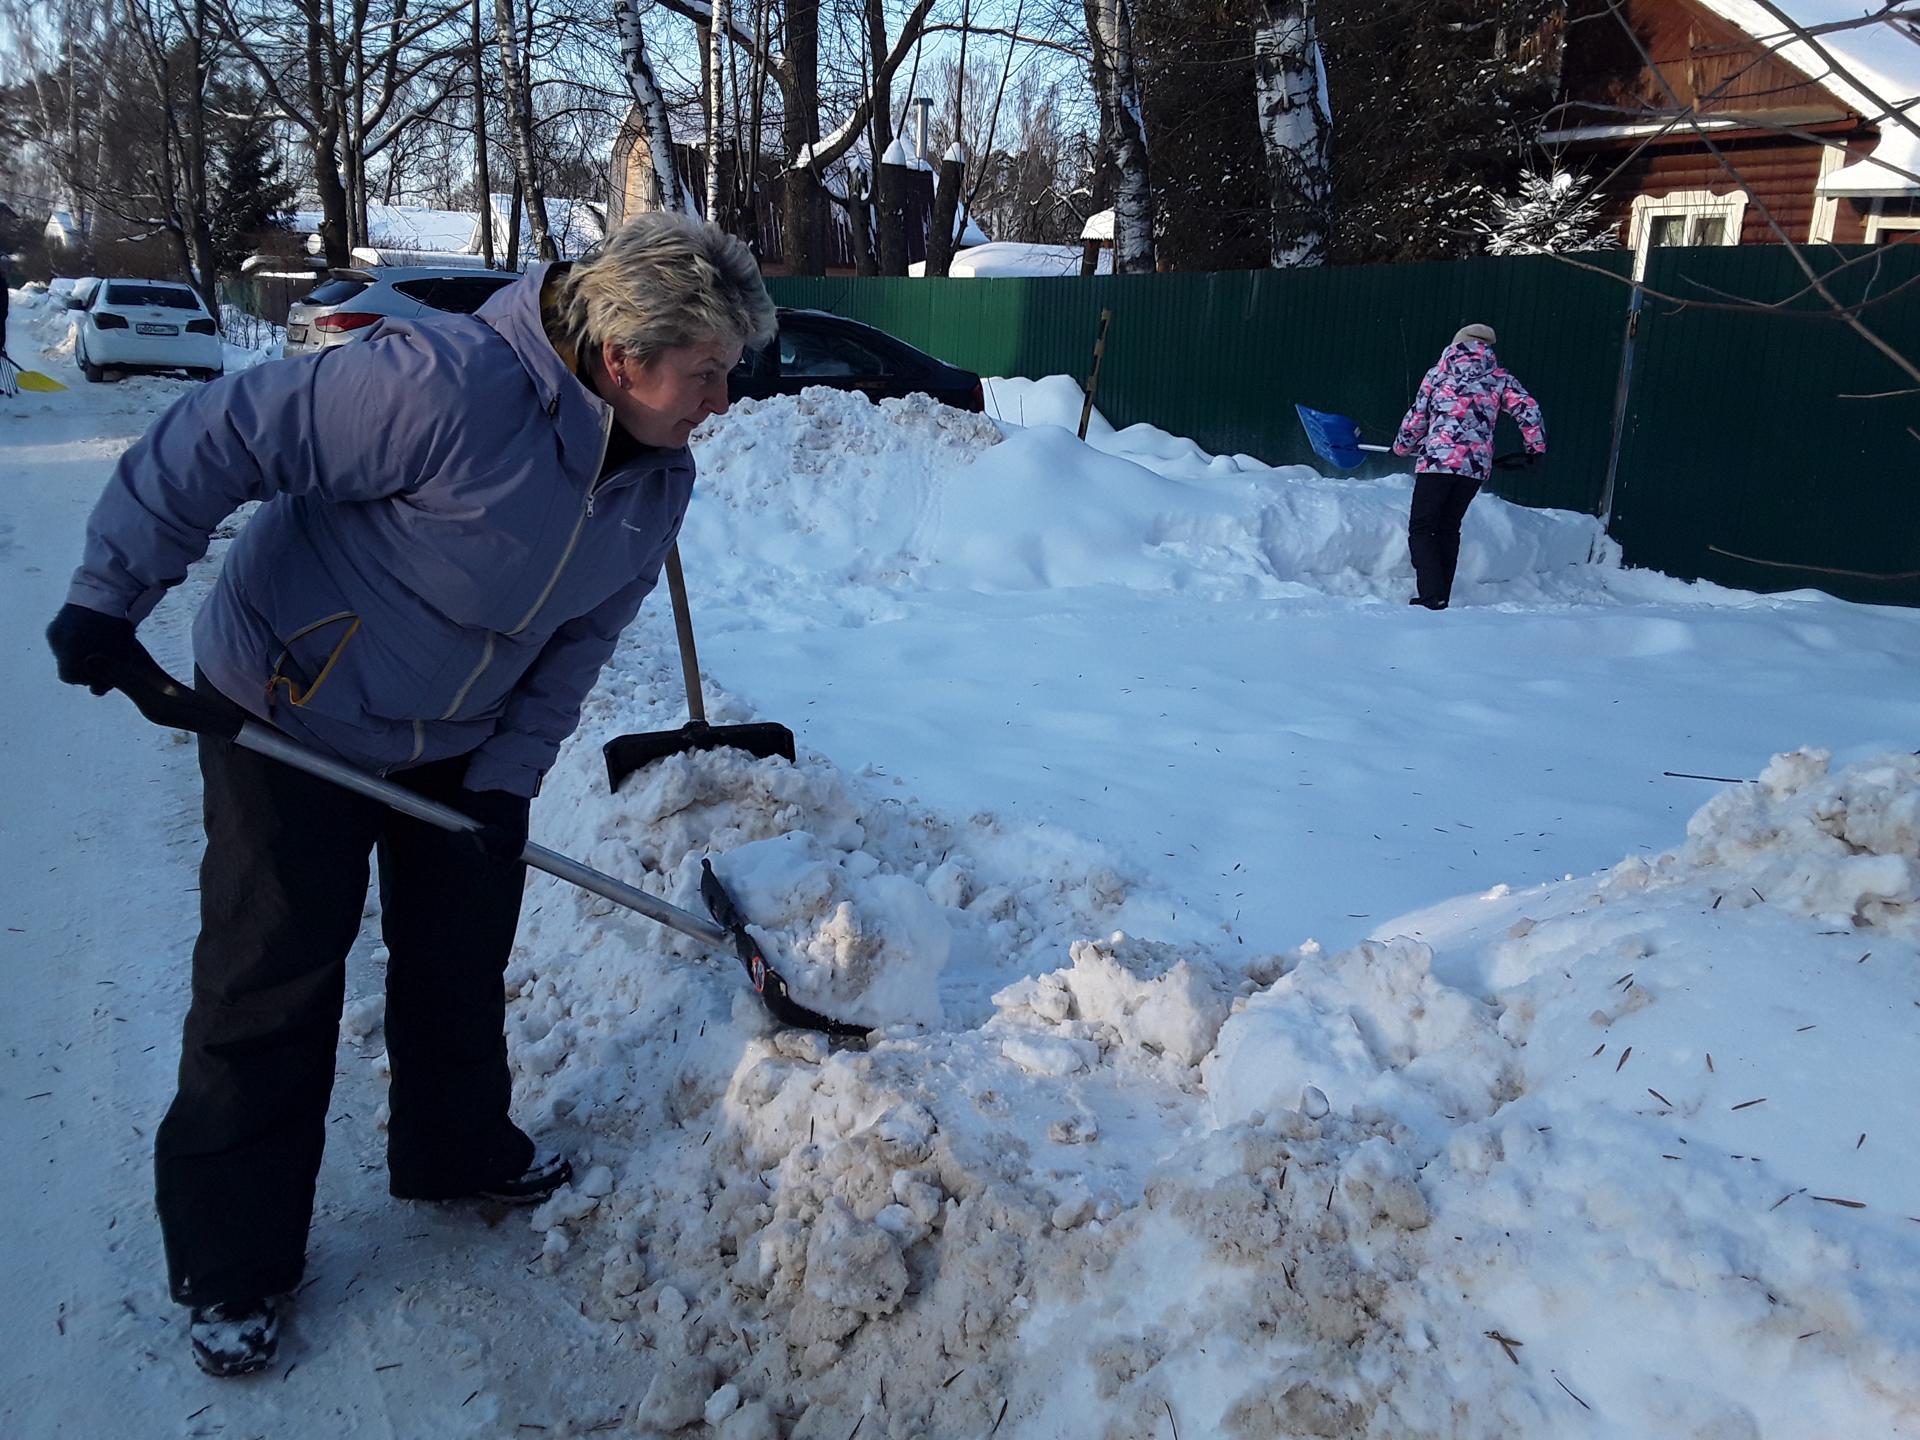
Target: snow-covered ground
x=1301, y=1014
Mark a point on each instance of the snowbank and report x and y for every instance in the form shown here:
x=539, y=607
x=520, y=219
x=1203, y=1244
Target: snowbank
x=826, y=492
x=1420, y=1187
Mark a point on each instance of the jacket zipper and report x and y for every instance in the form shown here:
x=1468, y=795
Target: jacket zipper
x=553, y=580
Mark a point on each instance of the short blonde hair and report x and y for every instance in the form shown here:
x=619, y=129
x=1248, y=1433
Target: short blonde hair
x=663, y=280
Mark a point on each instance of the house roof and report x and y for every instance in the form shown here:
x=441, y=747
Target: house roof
x=1882, y=74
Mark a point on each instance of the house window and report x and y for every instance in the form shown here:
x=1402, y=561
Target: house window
x=1684, y=217
x=1894, y=222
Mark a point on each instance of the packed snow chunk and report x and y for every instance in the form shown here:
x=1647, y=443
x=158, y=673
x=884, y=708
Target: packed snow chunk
x=722, y=1403
x=869, y=947
x=363, y=1017
x=854, y=1272
x=1841, y=847
x=1378, y=1185
x=1055, y=1055
x=1370, y=1027
x=678, y=1395
x=1135, y=994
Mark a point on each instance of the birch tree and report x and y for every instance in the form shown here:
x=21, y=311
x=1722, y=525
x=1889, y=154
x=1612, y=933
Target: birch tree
x=655, y=130
x=1116, y=89
x=520, y=125
x=716, y=57
x=1296, y=129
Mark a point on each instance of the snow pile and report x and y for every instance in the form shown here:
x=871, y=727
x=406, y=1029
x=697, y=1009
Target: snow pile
x=1367, y=1033
x=849, y=504
x=1118, y=994
x=1416, y=1187
x=1843, y=848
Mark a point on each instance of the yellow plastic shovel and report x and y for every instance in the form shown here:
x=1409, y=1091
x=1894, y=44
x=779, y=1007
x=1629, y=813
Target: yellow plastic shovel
x=14, y=379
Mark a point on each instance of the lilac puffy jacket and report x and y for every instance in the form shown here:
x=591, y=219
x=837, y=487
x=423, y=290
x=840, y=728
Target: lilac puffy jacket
x=439, y=567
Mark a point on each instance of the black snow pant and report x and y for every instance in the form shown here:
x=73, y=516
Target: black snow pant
x=1440, y=503
x=282, y=889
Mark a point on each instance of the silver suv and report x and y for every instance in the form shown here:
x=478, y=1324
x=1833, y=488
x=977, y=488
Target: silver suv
x=348, y=302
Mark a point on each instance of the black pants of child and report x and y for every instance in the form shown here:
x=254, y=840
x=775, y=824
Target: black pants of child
x=1440, y=503
x=282, y=888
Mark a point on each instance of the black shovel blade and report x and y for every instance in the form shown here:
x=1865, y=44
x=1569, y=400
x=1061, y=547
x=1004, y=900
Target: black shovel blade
x=627, y=753
x=767, y=981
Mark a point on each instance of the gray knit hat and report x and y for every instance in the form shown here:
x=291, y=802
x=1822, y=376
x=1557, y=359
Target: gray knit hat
x=1474, y=332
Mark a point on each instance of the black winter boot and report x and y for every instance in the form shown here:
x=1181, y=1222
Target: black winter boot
x=235, y=1339
x=545, y=1175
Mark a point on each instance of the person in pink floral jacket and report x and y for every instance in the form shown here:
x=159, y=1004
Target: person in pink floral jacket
x=1449, y=434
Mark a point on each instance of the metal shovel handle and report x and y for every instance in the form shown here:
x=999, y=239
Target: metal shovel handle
x=168, y=703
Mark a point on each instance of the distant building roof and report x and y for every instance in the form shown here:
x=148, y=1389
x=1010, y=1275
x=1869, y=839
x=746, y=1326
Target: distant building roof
x=1883, y=59
x=1098, y=227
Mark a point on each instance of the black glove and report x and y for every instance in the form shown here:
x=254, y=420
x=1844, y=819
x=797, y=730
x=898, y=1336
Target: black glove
x=1526, y=460
x=503, y=823
x=81, y=638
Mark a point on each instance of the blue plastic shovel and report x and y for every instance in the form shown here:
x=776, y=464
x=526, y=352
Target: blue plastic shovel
x=1336, y=439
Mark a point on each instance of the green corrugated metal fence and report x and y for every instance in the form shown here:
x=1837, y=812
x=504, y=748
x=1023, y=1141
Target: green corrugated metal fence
x=1736, y=439
x=1751, y=452
x=1224, y=357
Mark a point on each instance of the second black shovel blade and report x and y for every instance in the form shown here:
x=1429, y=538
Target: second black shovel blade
x=625, y=754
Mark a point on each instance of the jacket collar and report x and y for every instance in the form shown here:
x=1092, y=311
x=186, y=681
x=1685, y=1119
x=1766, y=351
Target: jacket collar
x=581, y=417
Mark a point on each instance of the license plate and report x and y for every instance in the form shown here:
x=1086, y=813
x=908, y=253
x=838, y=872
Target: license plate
x=146, y=328
x=296, y=333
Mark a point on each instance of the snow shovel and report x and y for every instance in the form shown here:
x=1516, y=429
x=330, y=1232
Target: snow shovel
x=168, y=703
x=1336, y=439
x=628, y=753
x=14, y=379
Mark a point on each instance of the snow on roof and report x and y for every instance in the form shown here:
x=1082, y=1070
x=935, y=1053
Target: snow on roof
x=576, y=225
x=1002, y=258
x=1098, y=227
x=1882, y=58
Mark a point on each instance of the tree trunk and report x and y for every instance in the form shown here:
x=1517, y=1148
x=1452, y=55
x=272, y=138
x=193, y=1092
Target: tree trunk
x=1295, y=129
x=893, y=211
x=860, y=213
x=1116, y=87
x=198, y=196
x=513, y=225
x=803, y=202
x=656, y=132
x=946, y=211
x=322, y=107
x=520, y=121
x=483, y=175
x=717, y=43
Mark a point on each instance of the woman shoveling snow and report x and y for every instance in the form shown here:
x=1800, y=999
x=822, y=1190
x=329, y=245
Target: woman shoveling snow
x=460, y=519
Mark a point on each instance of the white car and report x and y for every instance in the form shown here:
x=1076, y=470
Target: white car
x=146, y=325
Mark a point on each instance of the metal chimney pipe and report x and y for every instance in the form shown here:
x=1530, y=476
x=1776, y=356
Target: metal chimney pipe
x=925, y=107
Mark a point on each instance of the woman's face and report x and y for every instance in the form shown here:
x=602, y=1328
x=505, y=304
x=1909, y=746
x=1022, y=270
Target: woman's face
x=660, y=401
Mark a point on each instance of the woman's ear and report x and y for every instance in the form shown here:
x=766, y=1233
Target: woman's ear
x=613, y=360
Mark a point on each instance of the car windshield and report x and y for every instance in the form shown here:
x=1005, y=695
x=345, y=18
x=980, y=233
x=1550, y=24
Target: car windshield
x=169, y=297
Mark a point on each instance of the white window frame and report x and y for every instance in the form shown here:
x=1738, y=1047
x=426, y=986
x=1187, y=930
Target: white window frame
x=1826, y=208
x=1878, y=223
x=1730, y=209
